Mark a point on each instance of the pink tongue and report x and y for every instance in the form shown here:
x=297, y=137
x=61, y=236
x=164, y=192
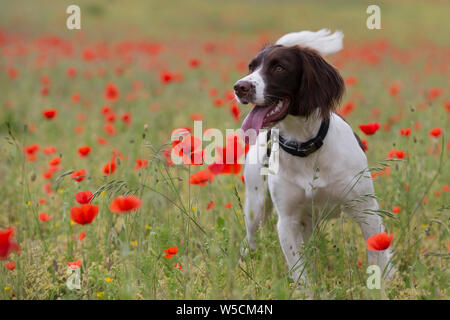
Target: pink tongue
x=254, y=120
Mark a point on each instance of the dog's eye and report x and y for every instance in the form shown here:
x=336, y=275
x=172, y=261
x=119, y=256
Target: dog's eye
x=279, y=69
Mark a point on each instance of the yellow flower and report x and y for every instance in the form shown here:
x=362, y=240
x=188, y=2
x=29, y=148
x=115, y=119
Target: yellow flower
x=100, y=294
x=424, y=226
x=16, y=222
x=7, y=288
x=147, y=227
x=60, y=191
x=238, y=211
x=134, y=243
x=72, y=223
x=108, y=279
x=194, y=209
x=102, y=194
x=28, y=203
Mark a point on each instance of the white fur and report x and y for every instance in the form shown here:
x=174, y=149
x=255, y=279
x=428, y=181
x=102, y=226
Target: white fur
x=322, y=40
x=294, y=188
x=256, y=79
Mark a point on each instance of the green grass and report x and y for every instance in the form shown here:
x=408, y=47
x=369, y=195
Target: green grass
x=128, y=249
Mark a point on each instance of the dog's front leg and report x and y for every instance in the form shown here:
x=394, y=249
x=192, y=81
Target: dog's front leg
x=291, y=240
x=364, y=213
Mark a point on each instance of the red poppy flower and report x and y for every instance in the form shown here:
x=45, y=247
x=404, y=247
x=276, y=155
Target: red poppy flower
x=228, y=205
x=370, y=128
x=111, y=92
x=434, y=93
x=194, y=62
x=201, y=177
x=71, y=72
x=396, y=209
x=167, y=155
x=125, y=204
x=75, y=264
x=170, y=252
x=190, y=150
x=178, y=266
x=6, y=245
x=84, y=151
x=365, y=146
x=109, y=129
x=79, y=175
x=351, y=81
x=10, y=266
x=31, y=149
x=229, y=157
x=82, y=235
x=166, y=77
x=101, y=140
x=379, y=241
x=44, y=217
x=141, y=164
x=405, y=132
x=54, y=161
x=83, y=197
x=126, y=117
x=394, y=88
x=49, y=150
x=211, y=205
x=110, y=117
x=50, y=113
x=84, y=214
x=347, y=109
x=235, y=111
x=398, y=154
x=109, y=168
x=435, y=132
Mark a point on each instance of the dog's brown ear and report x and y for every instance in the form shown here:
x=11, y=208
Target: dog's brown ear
x=321, y=85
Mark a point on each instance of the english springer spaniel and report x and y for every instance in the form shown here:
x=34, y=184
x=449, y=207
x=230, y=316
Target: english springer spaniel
x=322, y=166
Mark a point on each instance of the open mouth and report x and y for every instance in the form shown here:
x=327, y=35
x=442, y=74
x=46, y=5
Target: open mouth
x=266, y=116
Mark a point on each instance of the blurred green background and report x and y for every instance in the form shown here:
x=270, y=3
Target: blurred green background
x=402, y=21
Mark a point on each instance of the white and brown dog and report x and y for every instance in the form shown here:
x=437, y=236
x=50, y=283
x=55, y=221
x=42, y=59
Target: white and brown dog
x=322, y=165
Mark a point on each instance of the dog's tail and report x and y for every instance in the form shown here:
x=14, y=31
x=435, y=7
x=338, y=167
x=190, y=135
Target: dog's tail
x=323, y=40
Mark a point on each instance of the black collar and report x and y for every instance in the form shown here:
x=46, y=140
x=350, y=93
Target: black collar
x=306, y=148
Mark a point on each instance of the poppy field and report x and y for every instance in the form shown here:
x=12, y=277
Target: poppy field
x=94, y=205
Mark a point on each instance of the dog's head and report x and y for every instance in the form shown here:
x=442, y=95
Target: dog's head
x=288, y=79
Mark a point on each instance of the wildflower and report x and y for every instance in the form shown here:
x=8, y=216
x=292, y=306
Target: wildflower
x=201, y=177
x=54, y=161
x=405, y=132
x=126, y=117
x=347, y=109
x=100, y=294
x=108, y=279
x=79, y=175
x=170, y=252
x=71, y=72
x=228, y=205
x=141, y=164
x=84, y=151
x=75, y=264
x=394, y=88
x=398, y=154
x=111, y=92
x=235, y=111
x=83, y=197
x=434, y=93
x=49, y=150
x=178, y=266
x=370, y=128
x=190, y=150
x=109, y=129
x=10, y=266
x=379, y=241
x=193, y=63
x=211, y=205
x=396, y=209
x=82, y=235
x=125, y=204
x=84, y=214
x=435, y=132
x=6, y=245
x=351, y=81
x=49, y=113
x=109, y=168
x=44, y=217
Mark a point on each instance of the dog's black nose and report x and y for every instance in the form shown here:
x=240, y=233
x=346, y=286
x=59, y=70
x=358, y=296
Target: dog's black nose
x=242, y=88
